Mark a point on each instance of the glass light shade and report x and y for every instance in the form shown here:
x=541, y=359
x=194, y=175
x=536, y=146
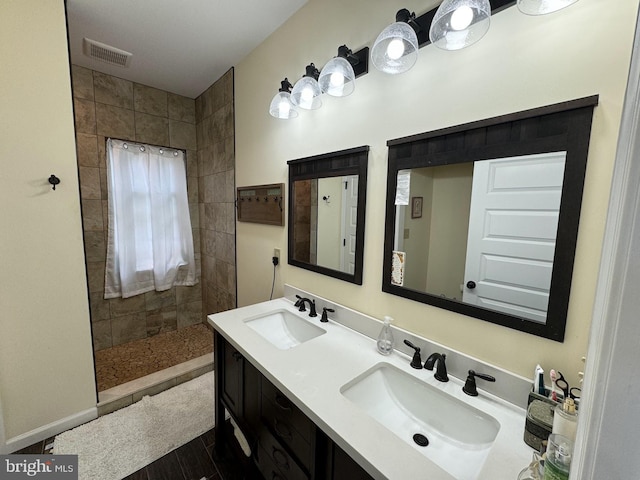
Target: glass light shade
x=337, y=78
x=281, y=106
x=542, y=7
x=396, y=49
x=306, y=94
x=460, y=23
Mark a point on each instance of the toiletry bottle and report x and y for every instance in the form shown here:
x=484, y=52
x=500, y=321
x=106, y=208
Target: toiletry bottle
x=534, y=471
x=558, y=460
x=565, y=419
x=385, y=339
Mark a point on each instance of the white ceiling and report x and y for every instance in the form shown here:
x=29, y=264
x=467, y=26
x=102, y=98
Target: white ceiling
x=181, y=46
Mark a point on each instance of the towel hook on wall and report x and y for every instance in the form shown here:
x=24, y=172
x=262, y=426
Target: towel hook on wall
x=53, y=180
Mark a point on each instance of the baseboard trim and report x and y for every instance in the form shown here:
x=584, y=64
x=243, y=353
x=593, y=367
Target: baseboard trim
x=46, y=431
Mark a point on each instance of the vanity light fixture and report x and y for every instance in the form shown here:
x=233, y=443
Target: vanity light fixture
x=460, y=23
x=337, y=77
x=281, y=104
x=542, y=7
x=396, y=48
x=306, y=92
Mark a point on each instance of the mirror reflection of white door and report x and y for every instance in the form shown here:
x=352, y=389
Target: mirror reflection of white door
x=349, y=223
x=512, y=231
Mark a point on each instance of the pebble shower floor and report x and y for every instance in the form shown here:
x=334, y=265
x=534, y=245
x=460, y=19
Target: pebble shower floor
x=129, y=361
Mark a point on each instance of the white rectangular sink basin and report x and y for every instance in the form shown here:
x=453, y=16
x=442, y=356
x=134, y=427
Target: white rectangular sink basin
x=459, y=435
x=284, y=329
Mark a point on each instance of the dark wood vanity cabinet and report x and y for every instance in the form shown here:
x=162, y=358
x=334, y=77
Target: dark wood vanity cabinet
x=285, y=444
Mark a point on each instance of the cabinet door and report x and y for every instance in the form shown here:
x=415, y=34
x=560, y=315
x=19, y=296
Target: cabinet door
x=251, y=386
x=232, y=374
x=342, y=466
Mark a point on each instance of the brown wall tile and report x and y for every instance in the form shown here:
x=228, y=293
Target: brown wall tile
x=182, y=108
x=126, y=306
x=182, y=135
x=115, y=122
x=82, y=81
x=87, y=149
x=102, y=335
x=152, y=129
x=112, y=90
x=85, y=116
x=156, y=300
x=189, y=314
x=150, y=100
x=90, y=182
x=92, y=214
x=95, y=246
x=161, y=320
x=128, y=328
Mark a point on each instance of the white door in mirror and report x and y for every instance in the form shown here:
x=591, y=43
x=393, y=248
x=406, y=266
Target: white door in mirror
x=513, y=223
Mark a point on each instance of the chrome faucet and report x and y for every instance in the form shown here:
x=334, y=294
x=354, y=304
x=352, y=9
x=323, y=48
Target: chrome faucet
x=441, y=369
x=301, y=306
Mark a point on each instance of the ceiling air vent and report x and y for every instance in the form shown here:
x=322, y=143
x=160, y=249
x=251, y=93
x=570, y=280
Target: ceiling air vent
x=106, y=53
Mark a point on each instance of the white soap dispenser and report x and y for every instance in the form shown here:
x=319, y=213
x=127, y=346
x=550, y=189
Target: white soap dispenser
x=385, y=339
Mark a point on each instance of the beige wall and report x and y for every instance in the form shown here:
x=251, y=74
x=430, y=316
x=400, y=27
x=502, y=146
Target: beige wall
x=46, y=362
x=523, y=62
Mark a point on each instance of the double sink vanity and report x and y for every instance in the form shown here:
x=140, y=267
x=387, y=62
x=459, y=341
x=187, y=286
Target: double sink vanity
x=315, y=400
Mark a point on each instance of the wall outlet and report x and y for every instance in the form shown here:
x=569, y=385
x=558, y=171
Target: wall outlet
x=276, y=253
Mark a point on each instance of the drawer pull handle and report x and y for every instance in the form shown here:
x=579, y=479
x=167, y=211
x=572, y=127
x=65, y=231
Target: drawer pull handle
x=282, y=429
x=280, y=458
x=282, y=402
x=237, y=356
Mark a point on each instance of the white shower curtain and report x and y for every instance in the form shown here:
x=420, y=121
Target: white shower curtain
x=150, y=244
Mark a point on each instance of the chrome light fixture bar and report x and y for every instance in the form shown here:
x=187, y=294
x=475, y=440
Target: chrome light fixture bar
x=281, y=103
x=337, y=77
x=543, y=7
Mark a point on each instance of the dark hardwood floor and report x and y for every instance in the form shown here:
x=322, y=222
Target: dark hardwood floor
x=195, y=460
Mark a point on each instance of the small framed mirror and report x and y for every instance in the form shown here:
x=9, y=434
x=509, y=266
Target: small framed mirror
x=482, y=218
x=327, y=201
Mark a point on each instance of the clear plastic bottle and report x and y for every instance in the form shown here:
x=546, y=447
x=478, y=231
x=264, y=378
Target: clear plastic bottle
x=558, y=462
x=534, y=471
x=385, y=339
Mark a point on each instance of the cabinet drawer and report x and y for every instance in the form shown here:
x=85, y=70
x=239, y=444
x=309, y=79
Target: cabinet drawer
x=287, y=411
x=280, y=424
x=274, y=461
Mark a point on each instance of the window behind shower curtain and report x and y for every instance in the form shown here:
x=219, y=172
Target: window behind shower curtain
x=150, y=243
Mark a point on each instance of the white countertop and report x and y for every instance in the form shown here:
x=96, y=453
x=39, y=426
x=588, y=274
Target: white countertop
x=312, y=373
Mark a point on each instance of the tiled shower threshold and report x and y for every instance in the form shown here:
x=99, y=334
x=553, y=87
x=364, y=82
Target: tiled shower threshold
x=130, y=392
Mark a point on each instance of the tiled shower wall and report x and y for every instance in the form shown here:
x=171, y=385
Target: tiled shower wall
x=107, y=106
x=215, y=129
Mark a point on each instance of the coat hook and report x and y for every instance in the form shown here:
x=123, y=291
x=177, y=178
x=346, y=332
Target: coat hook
x=53, y=180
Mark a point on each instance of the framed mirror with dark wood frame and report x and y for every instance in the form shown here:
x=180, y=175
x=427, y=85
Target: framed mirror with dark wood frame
x=327, y=202
x=482, y=218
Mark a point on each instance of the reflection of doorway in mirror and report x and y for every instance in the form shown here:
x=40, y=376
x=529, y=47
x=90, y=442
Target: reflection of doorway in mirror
x=349, y=223
x=515, y=203
x=336, y=222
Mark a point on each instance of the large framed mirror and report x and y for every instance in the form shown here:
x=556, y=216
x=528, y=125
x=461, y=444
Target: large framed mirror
x=482, y=218
x=327, y=201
